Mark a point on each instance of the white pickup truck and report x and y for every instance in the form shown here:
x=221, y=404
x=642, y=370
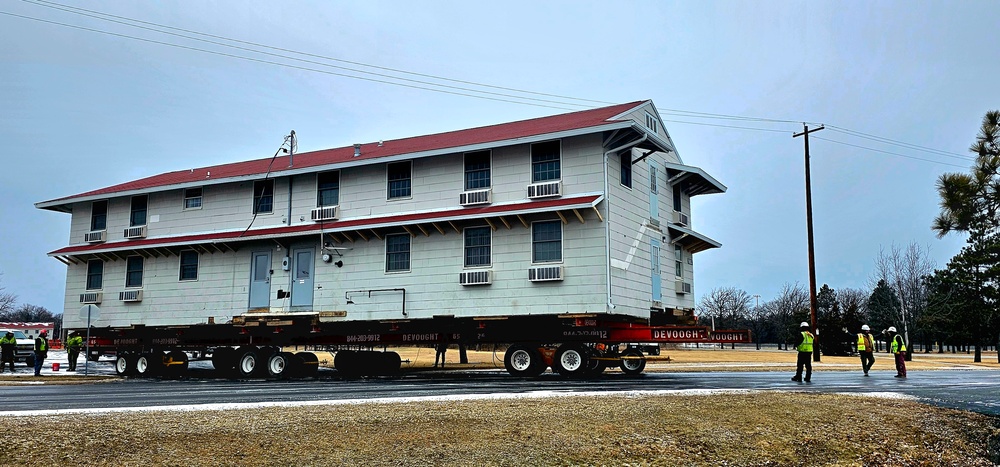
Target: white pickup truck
x=25, y=351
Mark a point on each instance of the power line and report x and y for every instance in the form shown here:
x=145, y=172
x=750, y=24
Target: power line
x=880, y=139
x=126, y=21
x=889, y=152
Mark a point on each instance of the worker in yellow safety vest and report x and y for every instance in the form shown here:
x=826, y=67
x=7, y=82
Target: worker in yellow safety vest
x=805, y=348
x=41, y=351
x=866, y=348
x=898, y=348
x=73, y=346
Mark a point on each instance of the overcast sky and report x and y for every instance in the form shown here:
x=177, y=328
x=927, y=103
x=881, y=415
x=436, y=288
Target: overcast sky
x=83, y=110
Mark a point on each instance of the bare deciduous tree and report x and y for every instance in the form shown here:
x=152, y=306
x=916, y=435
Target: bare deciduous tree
x=904, y=271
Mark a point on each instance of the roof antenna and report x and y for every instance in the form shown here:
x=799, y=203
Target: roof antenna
x=293, y=145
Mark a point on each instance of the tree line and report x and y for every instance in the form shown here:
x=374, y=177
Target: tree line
x=12, y=312
x=954, y=307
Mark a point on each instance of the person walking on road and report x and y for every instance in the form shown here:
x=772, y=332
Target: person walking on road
x=41, y=351
x=441, y=349
x=8, y=344
x=805, y=348
x=898, y=348
x=866, y=348
x=73, y=346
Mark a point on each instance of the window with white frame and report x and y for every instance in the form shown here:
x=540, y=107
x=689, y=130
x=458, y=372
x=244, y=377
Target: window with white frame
x=328, y=189
x=546, y=242
x=263, y=196
x=133, y=271
x=478, y=246
x=545, y=161
x=651, y=122
x=99, y=215
x=652, y=179
x=677, y=198
x=189, y=266
x=678, y=261
x=398, y=175
x=192, y=198
x=137, y=216
x=95, y=274
x=397, y=252
x=626, y=168
x=477, y=170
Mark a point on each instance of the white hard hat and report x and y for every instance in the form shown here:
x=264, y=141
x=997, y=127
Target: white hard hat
x=804, y=325
x=865, y=327
x=892, y=328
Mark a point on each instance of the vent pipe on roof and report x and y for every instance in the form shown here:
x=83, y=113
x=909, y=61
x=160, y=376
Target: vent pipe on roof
x=293, y=145
x=357, y=150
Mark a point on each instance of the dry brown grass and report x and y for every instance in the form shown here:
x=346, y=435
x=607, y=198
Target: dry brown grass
x=727, y=429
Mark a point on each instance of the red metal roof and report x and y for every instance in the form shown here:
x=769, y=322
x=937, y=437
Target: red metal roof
x=459, y=138
x=338, y=226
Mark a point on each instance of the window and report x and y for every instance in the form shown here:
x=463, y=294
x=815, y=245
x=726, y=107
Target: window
x=677, y=198
x=138, y=216
x=192, y=198
x=189, y=266
x=95, y=274
x=651, y=122
x=398, y=175
x=328, y=189
x=678, y=261
x=477, y=170
x=478, y=245
x=133, y=271
x=652, y=179
x=626, y=171
x=99, y=215
x=546, y=242
x=545, y=161
x=397, y=252
x=263, y=196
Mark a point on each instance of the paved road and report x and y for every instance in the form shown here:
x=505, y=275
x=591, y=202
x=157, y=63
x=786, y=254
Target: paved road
x=965, y=390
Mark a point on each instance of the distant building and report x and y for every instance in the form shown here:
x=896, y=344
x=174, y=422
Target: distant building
x=585, y=212
x=31, y=330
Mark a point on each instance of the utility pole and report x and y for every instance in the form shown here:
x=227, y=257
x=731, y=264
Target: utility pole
x=809, y=228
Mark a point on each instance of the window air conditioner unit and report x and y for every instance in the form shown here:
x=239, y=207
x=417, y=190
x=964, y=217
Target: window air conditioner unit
x=96, y=236
x=325, y=213
x=130, y=295
x=545, y=273
x=138, y=231
x=680, y=219
x=482, y=277
x=682, y=287
x=545, y=189
x=91, y=297
x=468, y=198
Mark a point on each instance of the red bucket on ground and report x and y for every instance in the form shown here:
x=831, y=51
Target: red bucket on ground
x=55, y=366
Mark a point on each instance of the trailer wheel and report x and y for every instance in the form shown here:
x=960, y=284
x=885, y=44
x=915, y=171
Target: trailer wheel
x=595, y=367
x=223, y=360
x=523, y=360
x=308, y=364
x=148, y=365
x=125, y=364
x=346, y=362
x=247, y=362
x=391, y=362
x=571, y=360
x=280, y=365
x=633, y=362
x=29, y=361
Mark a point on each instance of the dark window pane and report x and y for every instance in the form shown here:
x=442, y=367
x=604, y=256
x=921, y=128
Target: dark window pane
x=626, y=168
x=263, y=196
x=189, y=266
x=397, y=252
x=545, y=161
x=192, y=198
x=95, y=274
x=546, y=241
x=477, y=170
x=99, y=215
x=133, y=271
x=477, y=246
x=328, y=189
x=399, y=180
x=138, y=215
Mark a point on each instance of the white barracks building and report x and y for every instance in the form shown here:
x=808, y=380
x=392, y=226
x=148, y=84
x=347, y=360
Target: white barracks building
x=585, y=212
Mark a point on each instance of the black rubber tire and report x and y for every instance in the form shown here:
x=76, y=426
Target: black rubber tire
x=125, y=364
x=175, y=363
x=633, y=366
x=571, y=360
x=595, y=367
x=224, y=360
x=523, y=360
x=248, y=362
x=308, y=364
x=149, y=364
x=346, y=363
x=29, y=361
x=281, y=365
x=392, y=362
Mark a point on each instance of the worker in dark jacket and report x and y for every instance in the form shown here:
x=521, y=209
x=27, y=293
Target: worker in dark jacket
x=8, y=343
x=41, y=351
x=73, y=346
x=805, y=348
